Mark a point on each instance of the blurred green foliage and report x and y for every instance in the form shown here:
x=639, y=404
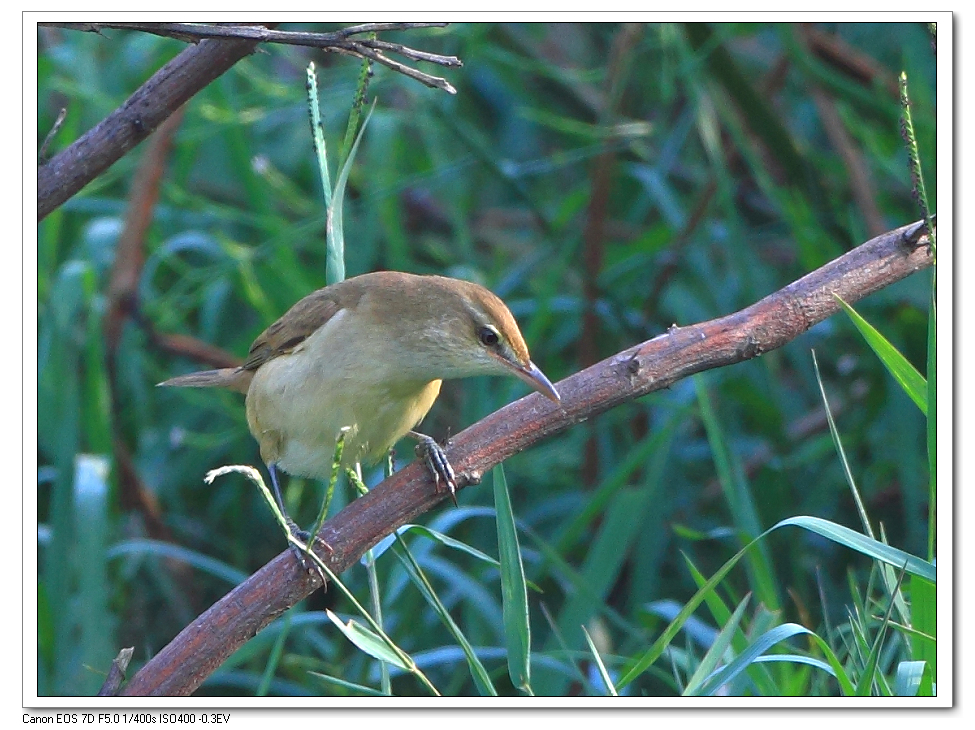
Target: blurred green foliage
x=606, y=181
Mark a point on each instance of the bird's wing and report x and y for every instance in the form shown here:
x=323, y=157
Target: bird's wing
x=293, y=328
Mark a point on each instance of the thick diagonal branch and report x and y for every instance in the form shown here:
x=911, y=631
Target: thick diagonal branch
x=766, y=325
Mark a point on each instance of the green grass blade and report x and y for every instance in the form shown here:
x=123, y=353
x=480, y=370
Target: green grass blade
x=863, y=544
x=658, y=647
x=722, y=615
x=758, y=647
x=480, y=675
x=909, y=678
x=318, y=132
x=344, y=684
x=906, y=375
x=514, y=592
x=834, y=432
x=335, y=236
x=716, y=653
x=441, y=538
x=158, y=549
x=607, y=681
x=369, y=642
x=924, y=619
x=932, y=425
x=839, y=534
x=274, y=659
x=740, y=502
x=93, y=614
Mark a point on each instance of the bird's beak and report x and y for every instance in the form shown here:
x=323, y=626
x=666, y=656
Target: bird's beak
x=537, y=380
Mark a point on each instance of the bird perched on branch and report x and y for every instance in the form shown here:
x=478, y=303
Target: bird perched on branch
x=368, y=353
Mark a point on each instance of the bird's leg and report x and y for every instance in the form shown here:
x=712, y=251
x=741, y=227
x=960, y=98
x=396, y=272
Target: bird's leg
x=296, y=531
x=435, y=458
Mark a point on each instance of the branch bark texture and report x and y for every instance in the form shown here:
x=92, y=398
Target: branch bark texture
x=151, y=104
x=682, y=351
x=180, y=79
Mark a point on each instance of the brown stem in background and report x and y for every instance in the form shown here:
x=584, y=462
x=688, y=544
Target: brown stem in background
x=191, y=348
x=848, y=60
x=182, y=666
x=861, y=186
x=122, y=301
x=669, y=261
x=593, y=233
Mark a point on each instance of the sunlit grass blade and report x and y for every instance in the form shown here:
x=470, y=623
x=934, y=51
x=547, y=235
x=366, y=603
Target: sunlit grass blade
x=334, y=234
x=863, y=544
x=95, y=630
x=910, y=677
x=607, y=680
x=514, y=592
x=318, y=132
x=906, y=375
x=369, y=642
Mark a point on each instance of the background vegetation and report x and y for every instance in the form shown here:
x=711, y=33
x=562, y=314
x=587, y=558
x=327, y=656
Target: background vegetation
x=607, y=181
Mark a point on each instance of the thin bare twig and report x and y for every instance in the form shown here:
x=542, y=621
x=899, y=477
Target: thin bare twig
x=658, y=363
x=42, y=152
x=117, y=673
x=217, y=49
x=338, y=42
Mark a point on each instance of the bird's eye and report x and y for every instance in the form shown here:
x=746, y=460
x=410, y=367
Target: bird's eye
x=488, y=336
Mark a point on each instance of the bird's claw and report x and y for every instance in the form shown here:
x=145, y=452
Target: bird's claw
x=439, y=467
x=304, y=536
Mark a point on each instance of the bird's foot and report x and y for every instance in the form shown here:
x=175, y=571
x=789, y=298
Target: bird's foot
x=305, y=537
x=435, y=458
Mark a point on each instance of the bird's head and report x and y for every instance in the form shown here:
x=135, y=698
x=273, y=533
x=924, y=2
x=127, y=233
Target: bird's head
x=467, y=330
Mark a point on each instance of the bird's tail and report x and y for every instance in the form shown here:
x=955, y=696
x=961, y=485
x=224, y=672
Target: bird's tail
x=234, y=378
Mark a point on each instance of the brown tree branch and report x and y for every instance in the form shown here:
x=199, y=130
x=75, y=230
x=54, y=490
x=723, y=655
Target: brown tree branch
x=338, y=42
x=180, y=79
x=148, y=107
x=770, y=323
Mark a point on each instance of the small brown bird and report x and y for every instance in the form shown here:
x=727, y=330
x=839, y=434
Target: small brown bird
x=368, y=353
